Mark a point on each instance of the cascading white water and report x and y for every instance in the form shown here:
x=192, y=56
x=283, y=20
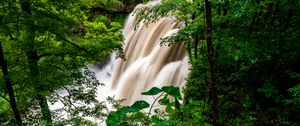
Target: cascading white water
x=147, y=63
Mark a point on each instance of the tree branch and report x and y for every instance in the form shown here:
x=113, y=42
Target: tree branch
x=68, y=41
x=53, y=54
x=154, y=103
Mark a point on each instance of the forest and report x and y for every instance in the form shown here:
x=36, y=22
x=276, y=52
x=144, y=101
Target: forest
x=243, y=58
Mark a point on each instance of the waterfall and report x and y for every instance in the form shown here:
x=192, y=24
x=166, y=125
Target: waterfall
x=147, y=63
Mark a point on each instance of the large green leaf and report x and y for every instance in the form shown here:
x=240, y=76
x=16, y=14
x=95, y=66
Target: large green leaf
x=140, y=105
x=114, y=118
x=128, y=109
x=173, y=91
x=152, y=91
x=156, y=121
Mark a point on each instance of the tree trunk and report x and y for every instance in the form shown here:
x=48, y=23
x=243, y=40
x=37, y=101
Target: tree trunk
x=33, y=58
x=196, y=47
x=210, y=55
x=9, y=87
x=196, y=41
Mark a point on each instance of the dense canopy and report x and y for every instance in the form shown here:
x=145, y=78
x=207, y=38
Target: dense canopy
x=244, y=58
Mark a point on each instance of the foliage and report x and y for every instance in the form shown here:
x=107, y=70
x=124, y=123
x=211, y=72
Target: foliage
x=256, y=56
x=256, y=59
x=47, y=45
x=135, y=115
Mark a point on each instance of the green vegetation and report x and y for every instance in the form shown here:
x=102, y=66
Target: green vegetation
x=255, y=55
x=244, y=58
x=133, y=116
x=45, y=46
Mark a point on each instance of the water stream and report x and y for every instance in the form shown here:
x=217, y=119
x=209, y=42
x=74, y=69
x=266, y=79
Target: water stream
x=147, y=63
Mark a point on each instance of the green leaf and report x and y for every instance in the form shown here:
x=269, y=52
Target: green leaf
x=162, y=123
x=128, y=109
x=140, y=105
x=164, y=101
x=169, y=109
x=58, y=124
x=152, y=91
x=114, y=118
x=159, y=122
x=173, y=91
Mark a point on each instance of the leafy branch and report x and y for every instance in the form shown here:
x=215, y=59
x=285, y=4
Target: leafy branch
x=122, y=115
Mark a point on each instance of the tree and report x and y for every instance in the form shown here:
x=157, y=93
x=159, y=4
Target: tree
x=53, y=41
x=9, y=87
x=32, y=58
x=210, y=55
x=255, y=59
x=4, y=67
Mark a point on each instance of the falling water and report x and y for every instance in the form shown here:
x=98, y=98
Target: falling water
x=147, y=63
